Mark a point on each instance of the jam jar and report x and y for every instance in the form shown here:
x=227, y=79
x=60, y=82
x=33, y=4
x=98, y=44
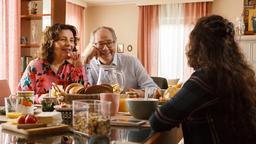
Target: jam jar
x=25, y=102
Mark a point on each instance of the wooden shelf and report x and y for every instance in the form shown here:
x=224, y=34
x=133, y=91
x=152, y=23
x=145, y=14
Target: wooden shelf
x=31, y=0
x=34, y=16
x=29, y=45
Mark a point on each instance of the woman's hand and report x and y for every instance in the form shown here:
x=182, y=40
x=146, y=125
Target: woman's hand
x=75, y=59
x=42, y=96
x=89, y=52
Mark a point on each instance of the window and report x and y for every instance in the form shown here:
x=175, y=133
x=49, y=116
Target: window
x=171, y=41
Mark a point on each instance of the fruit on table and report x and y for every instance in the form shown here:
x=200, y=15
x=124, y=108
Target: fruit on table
x=21, y=119
x=170, y=92
x=30, y=119
x=178, y=85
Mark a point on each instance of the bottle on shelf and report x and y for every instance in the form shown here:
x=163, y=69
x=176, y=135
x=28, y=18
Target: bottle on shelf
x=239, y=27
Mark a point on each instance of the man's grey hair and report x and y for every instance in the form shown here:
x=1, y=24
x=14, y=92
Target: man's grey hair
x=103, y=27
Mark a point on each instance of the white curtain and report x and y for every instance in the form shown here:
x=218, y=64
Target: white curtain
x=171, y=41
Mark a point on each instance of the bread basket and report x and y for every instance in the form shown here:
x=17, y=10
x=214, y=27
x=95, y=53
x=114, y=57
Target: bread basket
x=70, y=97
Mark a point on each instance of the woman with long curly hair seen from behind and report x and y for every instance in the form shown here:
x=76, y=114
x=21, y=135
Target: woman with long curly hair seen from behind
x=217, y=105
x=57, y=62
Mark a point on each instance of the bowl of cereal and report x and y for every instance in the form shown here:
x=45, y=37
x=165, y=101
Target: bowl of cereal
x=141, y=108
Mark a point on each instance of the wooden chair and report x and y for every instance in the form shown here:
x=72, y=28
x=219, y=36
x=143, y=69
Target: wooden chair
x=5, y=90
x=161, y=82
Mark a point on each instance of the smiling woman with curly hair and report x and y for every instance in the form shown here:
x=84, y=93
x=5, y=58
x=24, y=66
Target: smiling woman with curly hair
x=217, y=105
x=57, y=62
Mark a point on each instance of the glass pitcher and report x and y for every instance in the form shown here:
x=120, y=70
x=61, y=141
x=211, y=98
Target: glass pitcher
x=108, y=74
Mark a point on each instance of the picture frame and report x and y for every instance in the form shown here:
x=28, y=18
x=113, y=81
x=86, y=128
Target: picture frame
x=120, y=48
x=129, y=48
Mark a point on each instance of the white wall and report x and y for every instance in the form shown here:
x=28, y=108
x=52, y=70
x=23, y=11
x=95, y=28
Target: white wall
x=230, y=9
x=122, y=18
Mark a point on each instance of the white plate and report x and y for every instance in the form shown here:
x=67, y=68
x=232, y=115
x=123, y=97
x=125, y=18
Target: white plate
x=59, y=108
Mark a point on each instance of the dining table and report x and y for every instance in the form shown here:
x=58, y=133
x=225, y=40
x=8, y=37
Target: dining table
x=120, y=134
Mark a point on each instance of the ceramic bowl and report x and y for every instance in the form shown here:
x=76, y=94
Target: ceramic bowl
x=141, y=108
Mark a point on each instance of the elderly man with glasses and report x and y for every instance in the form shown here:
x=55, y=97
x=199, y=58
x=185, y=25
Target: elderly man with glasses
x=102, y=51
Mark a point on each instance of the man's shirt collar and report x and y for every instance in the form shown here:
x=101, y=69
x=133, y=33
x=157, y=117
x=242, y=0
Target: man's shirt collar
x=114, y=62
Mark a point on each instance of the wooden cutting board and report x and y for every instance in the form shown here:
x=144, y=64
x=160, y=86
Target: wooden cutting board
x=36, y=131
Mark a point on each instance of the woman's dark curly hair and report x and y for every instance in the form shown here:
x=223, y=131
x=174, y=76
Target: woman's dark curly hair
x=51, y=34
x=213, y=48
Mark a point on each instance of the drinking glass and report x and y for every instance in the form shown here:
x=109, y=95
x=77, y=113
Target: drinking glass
x=122, y=103
x=114, y=99
x=10, y=107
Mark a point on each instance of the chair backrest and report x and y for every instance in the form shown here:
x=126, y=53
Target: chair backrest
x=161, y=82
x=5, y=90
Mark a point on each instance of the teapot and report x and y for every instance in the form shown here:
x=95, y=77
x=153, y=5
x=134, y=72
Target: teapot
x=108, y=74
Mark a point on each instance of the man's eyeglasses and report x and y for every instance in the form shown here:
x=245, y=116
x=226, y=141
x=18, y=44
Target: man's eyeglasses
x=101, y=45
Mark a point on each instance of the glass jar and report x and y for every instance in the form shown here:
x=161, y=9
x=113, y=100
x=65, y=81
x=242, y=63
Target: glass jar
x=92, y=117
x=108, y=74
x=25, y=102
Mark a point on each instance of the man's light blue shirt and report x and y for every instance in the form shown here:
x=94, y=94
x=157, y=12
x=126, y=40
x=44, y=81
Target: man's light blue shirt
x=135, y=75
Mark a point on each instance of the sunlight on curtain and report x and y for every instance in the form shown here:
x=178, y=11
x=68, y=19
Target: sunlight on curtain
x=192, y=12
x=148, y=33
x=171, y=41
x=3, y=50
x=10, y=65
x=75, y=16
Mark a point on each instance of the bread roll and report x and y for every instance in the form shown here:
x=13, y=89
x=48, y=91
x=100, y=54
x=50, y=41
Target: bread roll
x=71, y=86
x=98, y=89
x=76, y=89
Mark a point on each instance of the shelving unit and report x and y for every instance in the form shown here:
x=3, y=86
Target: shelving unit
x=29, y=45
x=34, y=16
x=56, y=12
x=249, y=11
x=32, y=24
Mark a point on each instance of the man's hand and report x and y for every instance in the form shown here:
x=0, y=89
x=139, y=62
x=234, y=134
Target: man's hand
x=89, y=52
x=140, y=93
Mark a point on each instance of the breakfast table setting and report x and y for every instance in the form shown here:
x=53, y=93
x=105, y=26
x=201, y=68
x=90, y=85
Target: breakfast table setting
x=96, y=114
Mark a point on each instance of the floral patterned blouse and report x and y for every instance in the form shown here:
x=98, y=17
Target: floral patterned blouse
x=38, y=77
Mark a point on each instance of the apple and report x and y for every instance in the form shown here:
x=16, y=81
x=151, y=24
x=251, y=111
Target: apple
x=21, y=119
x=30, y=119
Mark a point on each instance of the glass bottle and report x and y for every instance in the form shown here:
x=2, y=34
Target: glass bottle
x=240, y=27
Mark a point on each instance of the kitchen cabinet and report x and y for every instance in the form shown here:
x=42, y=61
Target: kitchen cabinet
x=248, y=46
